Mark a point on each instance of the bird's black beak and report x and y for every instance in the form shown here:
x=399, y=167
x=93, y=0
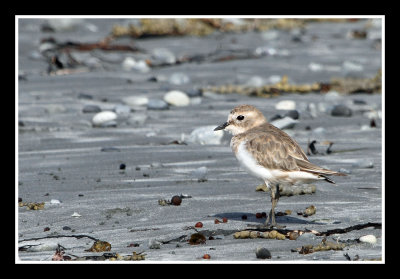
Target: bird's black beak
x=222, y=126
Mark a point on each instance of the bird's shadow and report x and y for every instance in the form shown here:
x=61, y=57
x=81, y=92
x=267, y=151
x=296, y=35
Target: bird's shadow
x=251, y=217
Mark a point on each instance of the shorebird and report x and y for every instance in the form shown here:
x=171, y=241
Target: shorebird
x=270, y=154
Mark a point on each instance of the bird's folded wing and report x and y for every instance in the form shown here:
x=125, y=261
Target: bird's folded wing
x=269, y=152
x=309, y=167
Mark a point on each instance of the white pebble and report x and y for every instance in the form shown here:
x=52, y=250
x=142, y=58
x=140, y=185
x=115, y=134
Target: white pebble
x=370, y=238
x=103, y=117
x=206, y=135
x=54, y=201
x=286, y=105
x=177, y=98
x=76, y=214
x=135, y=101
x=131, y=64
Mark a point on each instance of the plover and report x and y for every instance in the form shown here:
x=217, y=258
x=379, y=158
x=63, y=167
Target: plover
x=270, y=154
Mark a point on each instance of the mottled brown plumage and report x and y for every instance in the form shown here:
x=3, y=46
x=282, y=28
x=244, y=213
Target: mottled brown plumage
x=269, y=153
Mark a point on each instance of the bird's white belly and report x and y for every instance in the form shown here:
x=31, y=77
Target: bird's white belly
x=271, y=175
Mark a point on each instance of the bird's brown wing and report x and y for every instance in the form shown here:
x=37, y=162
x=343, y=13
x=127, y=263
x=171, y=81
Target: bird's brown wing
x=269, y=152
x=309, y=167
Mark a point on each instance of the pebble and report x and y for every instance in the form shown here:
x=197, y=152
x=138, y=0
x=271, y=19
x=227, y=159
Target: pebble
x=91, y=109
x=285, y=123
x=263, y=253
x=363, y=164
x=294, y=114
x=286, y=105
x=104, y=118
x=370, y=238
x=206, y=135
x=76, y=214
x=179, y=79
x=154, y=244
x=54, y=201
x=177, y=98
x=133, y=101
x=176, y=200
x=157, y=104
x=162, y=56
x=63, y=24
x=341, y=110
x=66, y=228
x=130, y=64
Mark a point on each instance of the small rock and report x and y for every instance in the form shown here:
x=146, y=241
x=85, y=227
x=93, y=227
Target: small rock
x=286, y=105
x=177, y=98
x=363, y=164
x=54, y=201
x=206, y=135
x=285, y=123
x=76, y=214
x=179, y=79
x=294, y=114
x=162, y=56
x=198, y=225
x=66, y=228
x=157, y=104
x=130, y=64
x=104, y=118
x=341, y=110
x=176, y=200
x=315, y=67
x=263, y=253
x=133, y=101
x=91, y=109
x=370, y=238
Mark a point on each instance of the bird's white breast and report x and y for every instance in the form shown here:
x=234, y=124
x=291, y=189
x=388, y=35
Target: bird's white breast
x=270, y=175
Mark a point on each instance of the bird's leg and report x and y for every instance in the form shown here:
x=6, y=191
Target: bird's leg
x=274, y=200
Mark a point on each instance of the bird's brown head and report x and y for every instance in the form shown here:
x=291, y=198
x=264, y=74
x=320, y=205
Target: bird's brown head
x=241, y=119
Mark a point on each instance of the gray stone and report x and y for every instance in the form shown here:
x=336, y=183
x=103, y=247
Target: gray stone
x=341, y=110
x=157, y=104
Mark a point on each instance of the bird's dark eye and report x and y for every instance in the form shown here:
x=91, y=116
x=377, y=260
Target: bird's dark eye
x=240, y=117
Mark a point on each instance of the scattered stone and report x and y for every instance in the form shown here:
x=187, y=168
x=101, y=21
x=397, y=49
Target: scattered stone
x=294, y=114
x=130, y=64
x=206, y=135
x=177, y=98
x=197, y=238
x=286, y=105
x=179, y=79
x=370, y=238
x=104, y=119
x=311, y=210
x=46, y=229
x=161, y=56
x=176, y=200
x=76, y=215
x=263, y=253
x=293, y=235
x=341, y=110
x=54, y=201
x=362, y=164
x=122, y=166
x=133, y=101
x=157, y=104
x=198, y=225
x=206, y=256
x=91, y=109
x=66, y=228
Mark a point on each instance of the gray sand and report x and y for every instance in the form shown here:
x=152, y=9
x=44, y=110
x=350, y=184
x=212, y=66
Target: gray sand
x=61, y=158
